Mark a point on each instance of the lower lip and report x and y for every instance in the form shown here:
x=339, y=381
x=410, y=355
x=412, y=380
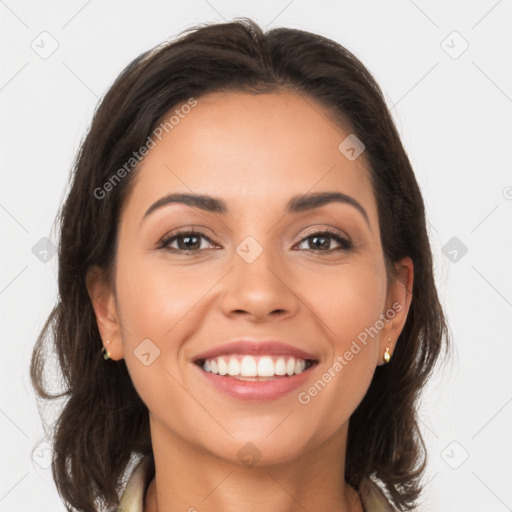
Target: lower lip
x=257, y=390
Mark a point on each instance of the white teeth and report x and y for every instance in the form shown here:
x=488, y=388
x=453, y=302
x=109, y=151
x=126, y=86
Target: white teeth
x=280, y=367
x=290, y=366
x=248, y=367
x=233, y=367
x=265, y=367
x=254, y=366
x=300, y=365
x=223, y=366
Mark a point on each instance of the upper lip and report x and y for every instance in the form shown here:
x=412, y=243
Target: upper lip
x=252, y=347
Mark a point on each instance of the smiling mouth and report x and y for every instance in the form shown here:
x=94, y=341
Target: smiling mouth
x=255, y=368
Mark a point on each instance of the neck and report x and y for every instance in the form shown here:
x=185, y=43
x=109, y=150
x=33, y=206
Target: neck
x=190, y=479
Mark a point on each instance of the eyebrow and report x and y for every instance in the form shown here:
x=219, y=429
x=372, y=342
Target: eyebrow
x=297, y=204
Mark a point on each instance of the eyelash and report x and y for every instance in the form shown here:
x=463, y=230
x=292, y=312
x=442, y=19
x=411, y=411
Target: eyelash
x=345, y=244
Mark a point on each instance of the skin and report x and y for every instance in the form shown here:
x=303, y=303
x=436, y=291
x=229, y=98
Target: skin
x=254, y=152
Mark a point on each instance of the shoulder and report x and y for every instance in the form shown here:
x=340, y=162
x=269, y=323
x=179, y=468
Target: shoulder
x=373, y=497
x=132, y=499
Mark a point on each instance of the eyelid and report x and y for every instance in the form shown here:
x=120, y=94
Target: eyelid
x=333, y=231
x=189, y=230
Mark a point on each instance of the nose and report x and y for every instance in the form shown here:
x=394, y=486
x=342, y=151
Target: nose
x=260, y=290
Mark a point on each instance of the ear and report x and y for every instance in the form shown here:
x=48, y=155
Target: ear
x=104, y=304
x=398, y=303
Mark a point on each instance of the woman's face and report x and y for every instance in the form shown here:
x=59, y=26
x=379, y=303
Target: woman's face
x=259, y=269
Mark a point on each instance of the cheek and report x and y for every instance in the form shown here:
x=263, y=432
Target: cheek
x=346, y=299
x=154, y=296
x=154, y=304
x=347, y=304
x=163, y=304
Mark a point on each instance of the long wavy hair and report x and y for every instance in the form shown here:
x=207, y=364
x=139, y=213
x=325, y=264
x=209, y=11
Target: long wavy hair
x=103, y=423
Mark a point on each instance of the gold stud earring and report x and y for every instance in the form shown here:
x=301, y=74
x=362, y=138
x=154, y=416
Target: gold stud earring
x=106, y=354
x=387, y=355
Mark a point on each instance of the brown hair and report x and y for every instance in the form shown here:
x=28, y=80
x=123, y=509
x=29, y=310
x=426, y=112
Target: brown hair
x=104, y=422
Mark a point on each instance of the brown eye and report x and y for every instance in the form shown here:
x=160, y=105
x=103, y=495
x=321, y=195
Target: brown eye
x=186, y=241
x=321, y=241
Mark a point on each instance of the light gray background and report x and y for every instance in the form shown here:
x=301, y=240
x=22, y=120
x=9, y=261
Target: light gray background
x=453, y=112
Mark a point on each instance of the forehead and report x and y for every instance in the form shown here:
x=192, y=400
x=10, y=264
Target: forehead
x=250, y=150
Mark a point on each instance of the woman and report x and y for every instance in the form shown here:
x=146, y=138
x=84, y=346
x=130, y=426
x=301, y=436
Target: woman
x=247, y=308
